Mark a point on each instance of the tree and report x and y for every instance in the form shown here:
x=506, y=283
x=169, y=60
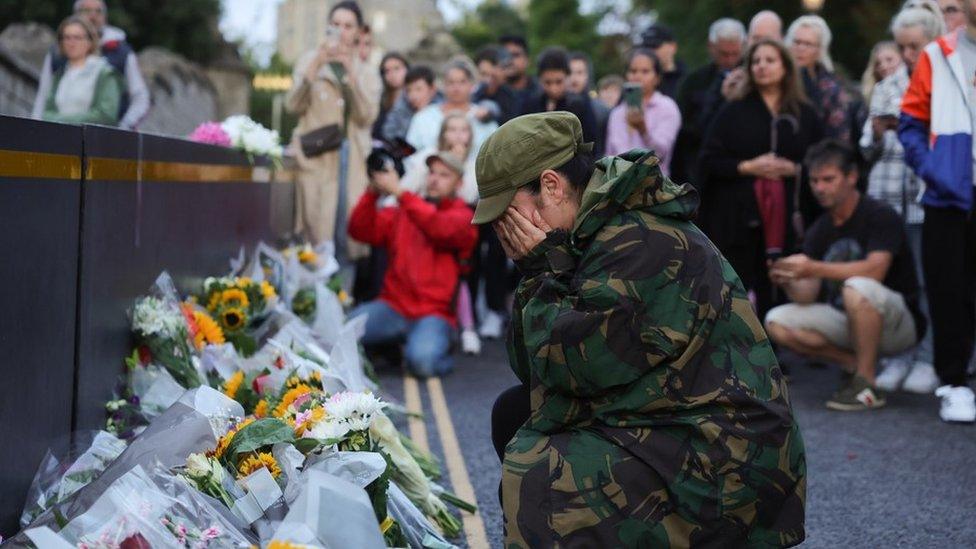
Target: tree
x=856, y=25
x=560, y=23
x=188, y=28
x=486, y=23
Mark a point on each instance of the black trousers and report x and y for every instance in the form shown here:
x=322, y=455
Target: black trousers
x=511, y=411
x=499, y=279
x=949, y=264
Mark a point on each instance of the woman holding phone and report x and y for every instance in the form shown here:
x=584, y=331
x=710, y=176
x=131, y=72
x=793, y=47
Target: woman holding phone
x=336, y=99
x=646, y=119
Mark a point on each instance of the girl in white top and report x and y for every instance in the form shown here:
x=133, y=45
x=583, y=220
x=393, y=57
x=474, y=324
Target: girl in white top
x=458, y=83
x=456, y=135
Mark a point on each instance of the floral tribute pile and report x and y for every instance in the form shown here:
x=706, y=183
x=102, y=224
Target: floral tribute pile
x=242, y=133
x=246, y=417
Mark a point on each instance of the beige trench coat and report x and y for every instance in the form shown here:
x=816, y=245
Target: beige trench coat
x=318, y=104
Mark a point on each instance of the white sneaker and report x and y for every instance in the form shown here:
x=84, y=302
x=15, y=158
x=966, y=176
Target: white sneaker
x=470, y=343
x=894, y=373
x=958, y=404
x=922, y=379
x=492, y=325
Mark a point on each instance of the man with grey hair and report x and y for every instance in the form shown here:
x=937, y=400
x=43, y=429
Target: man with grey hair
x=115, y=50
x=765, y=25
x=726, y=39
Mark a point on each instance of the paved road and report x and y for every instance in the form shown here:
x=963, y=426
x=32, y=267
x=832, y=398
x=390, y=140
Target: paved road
x=896, y=477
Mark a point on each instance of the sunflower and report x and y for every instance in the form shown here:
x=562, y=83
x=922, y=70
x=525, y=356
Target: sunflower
x=233, y=319
x=308, y=256
x=243, y=281
x=208, y=331
x=290, y=396
x=234, y=297
x=268, y=291
x=213, y=302
x=224, y=441
x=233, y=384
x=257, y=461
x=261, y=410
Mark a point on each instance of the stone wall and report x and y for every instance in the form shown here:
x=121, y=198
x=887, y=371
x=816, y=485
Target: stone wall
x=18, y=85
x=183, y=96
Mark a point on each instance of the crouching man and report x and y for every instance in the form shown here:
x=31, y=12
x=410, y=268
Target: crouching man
x=653, y=411
x=426, y=241
x=854, y=289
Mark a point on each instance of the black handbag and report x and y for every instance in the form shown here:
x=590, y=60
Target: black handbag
x=321, y=140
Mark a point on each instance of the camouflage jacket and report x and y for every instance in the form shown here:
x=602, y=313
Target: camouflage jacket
x=660, y=417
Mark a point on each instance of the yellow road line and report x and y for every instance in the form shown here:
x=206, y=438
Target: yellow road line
x=415, y=421
x=474, y=527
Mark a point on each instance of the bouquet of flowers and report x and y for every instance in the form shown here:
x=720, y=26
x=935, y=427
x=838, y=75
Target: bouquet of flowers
x=236, y=305
x=211, y=133
x=251, y=137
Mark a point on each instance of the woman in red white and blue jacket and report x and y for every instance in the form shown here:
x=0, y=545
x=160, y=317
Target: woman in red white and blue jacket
x=936, y=130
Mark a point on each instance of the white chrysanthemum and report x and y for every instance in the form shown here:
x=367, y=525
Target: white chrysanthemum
x=355, y=409
x=152, y=316
x=328, y=429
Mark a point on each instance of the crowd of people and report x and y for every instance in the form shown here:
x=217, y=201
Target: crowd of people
x=830, y=201
x=845, y=208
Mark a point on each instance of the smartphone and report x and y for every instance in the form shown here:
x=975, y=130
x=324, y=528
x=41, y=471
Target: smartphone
x=331, y=36
x=632, y=95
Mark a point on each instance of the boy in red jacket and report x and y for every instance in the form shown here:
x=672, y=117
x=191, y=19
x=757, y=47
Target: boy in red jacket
x=426, y=240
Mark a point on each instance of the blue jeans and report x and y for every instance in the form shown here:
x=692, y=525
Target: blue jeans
x=428, y=349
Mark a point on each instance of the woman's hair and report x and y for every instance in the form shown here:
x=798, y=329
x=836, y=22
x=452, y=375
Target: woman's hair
x=920, y=15
x=791, y=91
x=462, y=64
x=648, y=53
x=352, y=6
x=90, y=31
x=442, y=144
x=818, y=24
x=390, y=94
x=578, y=170
x=870, y=77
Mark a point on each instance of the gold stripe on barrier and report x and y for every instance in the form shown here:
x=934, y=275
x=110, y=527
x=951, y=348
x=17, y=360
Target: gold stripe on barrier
x=29, y=164
x=116, y=169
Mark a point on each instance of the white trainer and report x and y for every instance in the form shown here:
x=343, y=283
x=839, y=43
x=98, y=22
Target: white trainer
x=894, y=373
x=470, y=343
x=958, y=404
x=922, y=379
x=492, y=325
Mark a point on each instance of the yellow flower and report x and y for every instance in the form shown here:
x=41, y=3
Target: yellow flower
x=308, y=256
x=255, y=462
x=233, y=384
x=268, y=291
x=233, y=319
x=244, y=281
x=208, y=331
x=224, y=441
x=290, y=396
x=317, y=415
x=234, y=297
x=213, y=302
x=275, y=544
x=261, y=410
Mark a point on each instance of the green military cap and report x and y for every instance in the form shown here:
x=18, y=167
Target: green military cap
x=517, y=154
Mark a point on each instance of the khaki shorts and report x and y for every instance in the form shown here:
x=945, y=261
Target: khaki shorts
x=897, y=330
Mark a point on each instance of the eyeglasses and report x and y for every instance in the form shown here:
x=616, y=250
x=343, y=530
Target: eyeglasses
x=806, y=44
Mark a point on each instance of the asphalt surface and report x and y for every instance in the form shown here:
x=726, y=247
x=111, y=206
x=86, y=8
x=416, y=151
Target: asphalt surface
x=895, y=477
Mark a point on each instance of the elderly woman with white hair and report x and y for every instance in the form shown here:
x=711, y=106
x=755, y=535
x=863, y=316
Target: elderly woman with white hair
x=809, y=40
x=893, y=182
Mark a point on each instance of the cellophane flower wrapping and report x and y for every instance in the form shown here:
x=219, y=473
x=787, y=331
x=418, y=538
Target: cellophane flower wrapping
x=60, y=476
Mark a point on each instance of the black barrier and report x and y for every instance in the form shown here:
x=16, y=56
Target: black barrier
x=141, y=204
x=40, y=183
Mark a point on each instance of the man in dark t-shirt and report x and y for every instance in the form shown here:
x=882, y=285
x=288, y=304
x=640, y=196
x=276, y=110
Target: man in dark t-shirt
x=854, y=290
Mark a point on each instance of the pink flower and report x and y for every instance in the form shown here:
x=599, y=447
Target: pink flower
x=211, y=133
x=211, y=533
x=302, y=417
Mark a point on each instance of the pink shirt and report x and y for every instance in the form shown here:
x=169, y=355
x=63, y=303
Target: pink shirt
x=663, y=120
